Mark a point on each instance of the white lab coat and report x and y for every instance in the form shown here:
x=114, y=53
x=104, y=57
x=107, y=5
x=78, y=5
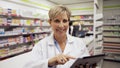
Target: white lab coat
x=46, y=49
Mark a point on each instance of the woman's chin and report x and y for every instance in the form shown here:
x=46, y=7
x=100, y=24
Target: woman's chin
x=60, y=33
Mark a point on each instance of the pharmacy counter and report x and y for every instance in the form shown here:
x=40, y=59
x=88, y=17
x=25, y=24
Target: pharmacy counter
x=15, y=62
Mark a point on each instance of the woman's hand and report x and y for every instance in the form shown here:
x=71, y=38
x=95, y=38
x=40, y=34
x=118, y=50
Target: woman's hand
x=59, y=59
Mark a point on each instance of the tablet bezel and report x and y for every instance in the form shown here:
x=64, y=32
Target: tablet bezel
x=88, y=60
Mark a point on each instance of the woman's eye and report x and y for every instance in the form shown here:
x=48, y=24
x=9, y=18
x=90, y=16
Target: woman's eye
x=56, y=21
x=64, y=21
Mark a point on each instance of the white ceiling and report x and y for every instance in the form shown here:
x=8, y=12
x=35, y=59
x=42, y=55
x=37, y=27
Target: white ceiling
x=69, y=2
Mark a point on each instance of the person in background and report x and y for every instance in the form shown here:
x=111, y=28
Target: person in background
x=70, y=27
x=75, y=29
x=59, y=50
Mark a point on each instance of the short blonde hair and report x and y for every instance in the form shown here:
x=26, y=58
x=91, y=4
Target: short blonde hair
x=57, y=10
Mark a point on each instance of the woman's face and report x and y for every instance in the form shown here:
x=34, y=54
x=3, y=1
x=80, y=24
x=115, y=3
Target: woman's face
x=60, y=24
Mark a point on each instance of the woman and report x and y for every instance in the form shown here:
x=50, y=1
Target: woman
x=60, y=49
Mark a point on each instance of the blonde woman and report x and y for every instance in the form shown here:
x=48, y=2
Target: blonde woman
x=59, y=50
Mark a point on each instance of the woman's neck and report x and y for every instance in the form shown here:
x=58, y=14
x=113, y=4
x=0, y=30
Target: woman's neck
x=60, y=39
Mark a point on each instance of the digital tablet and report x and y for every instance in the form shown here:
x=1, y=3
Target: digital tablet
x=89, y=59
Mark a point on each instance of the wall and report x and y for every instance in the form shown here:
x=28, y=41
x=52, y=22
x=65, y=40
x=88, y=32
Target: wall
x=21, y=5
x=43, y=6
x=82, y=8
x=111, y=7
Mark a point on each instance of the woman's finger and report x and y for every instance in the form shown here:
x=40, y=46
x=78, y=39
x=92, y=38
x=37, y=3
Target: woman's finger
x=64, y=58
x=70, y=57
x=61, y=59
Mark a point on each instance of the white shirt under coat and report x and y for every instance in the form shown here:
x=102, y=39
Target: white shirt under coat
x=46, y=49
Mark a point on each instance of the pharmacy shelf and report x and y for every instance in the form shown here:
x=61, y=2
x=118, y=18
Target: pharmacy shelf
x=82, y=20
x=116, y=51
x=98, y=40
x=100, y=19
x=14, y=54
x=89, y=43
x=88, y=39
x=14, y=44
x=25, y=33
x=6, y=24
x=115, y=30
x=111, y=52
x=112, y=59
x=10, y=20
x=86, y=22
x=111, y=42
x=91, y=14
x=17, y=32
x=18, y=43
x=18, y=17
x=99, y=26
x=110, y=24
x=99, y=33
x=111, y=33
x=112, y=36
x=18, y=52
x=22, y=25
x=111, y=47
x=87, y=25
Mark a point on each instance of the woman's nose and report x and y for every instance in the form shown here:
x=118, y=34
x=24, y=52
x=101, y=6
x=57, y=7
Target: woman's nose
x=61, y=24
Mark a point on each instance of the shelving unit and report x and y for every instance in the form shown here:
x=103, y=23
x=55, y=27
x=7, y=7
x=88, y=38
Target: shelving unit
x=98, y=29
x=19, y=33
x=86, y=22
x=88, y=40
x=86, y=25
x=111, y=30
x=111, y=33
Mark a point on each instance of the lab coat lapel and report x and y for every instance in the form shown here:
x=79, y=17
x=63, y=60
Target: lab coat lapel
x=68, y=48
x=52, y=51
x=51, y=47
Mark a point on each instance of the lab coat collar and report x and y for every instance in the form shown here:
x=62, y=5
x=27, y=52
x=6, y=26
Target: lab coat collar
x=51, y=39
x=69, y=38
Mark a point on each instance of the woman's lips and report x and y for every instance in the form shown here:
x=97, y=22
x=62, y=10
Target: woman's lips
x=60, y=30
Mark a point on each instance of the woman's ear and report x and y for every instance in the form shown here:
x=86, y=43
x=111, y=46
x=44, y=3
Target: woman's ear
x=49, y=21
